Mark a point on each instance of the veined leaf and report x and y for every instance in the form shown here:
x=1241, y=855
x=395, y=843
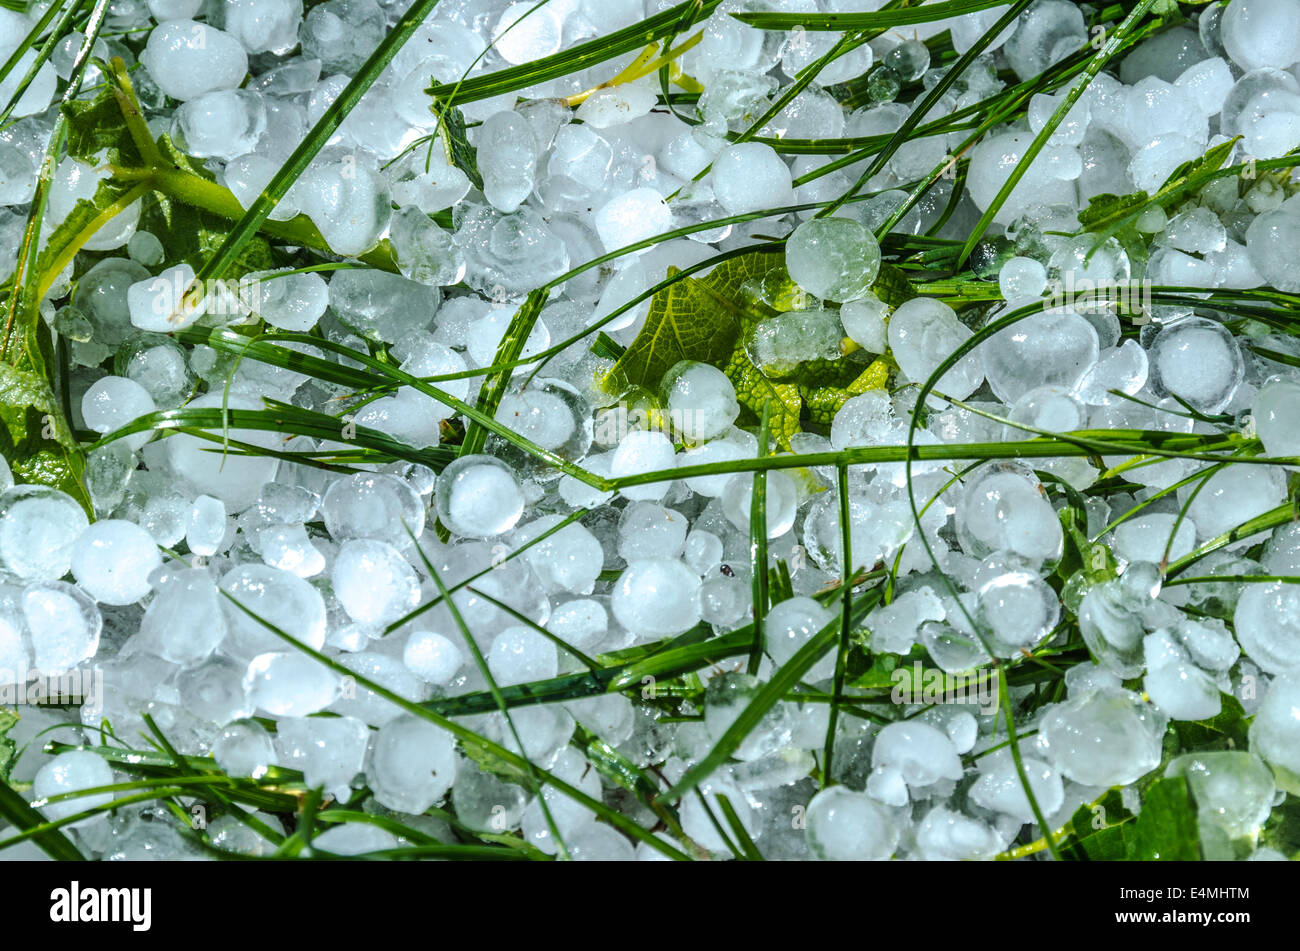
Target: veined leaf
x=8, y=748
x=754, y=389
x=705, y=319
x=1166, y=828
x=695, y=319
x=34, y=437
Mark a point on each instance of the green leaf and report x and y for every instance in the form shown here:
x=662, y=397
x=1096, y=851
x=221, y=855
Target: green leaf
x=1226, y=731
x=892, y=286
x=22, y=817
x=459, y=152
x=695, y=319
x=1166, y=829
x=192, y=235
x=754, y=389
x=8, y=748
x=705, y=319
x=34, y=437
x=97, y=126
x=1098, y=830
x=1107, y=206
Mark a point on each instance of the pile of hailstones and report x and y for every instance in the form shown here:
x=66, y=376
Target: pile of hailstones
x=338, y=562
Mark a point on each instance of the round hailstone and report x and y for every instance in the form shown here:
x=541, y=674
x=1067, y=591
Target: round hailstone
x=790, y=625
x=1055, y=347
x=582, y=623
x=1022, y=277
x=631, y=217
x=112, y=402
x=1271, y=242
x=1105, y=737
x=616, y=105
x=278, y=597
x=526, y=32
x=288, y=301
x=411, y=764
x=1267, y=622
x=1198, y=361
x=1019, y=610
x=657, y=597
x=701, y=400
x=1174, y=683
x=864, y=322
x=72, y=772
x=235, y=480
x=244, y=748
x=223, y=124
x=999, y=787
x=432, y=657
x=290, y=684
x=643, y=451
x=1277, y=417
x=922, y=754
x=833, y=258
x=509, y=163
x=39, y=528
x=185, y=619
x=521, y=654
x=1260, y=33
x=925, y=332
x=478, y=496
x=36, y=97
x=782, y=502
x=373, y=582
x=187, y=59
x=751, y=176
x=373, y=505
x=1275, y=732
x=1003, y=508
x=112, y=561
x=843, y=825
x=567, y=560
x=64, y=624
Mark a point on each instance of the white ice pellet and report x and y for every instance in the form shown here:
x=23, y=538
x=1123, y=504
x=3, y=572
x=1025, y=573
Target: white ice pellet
x=373, y=582
x=112, y=560
x=187, y=59
x=478, y=496
x=1105, y=737
x=40, y=529
x=833, y=258
x=751, y=176
x=923, y=333
x=160, y=303
x=789, y=625
x=113, y=402
x=372, y=505
x=632, y=217
x=1271, y=242
x=843, y=825
x=39, y=92
x=567, y=560
x=639, y=452
x=289, y=684
x=507, y=160
x=864, y=322
x=432, y=656
x=1260, y=33
x=656, y=597
x=222, y=124
x=64, y=624
x=68, y=773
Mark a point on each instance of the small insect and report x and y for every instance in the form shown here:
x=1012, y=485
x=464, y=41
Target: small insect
x=727, y=571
